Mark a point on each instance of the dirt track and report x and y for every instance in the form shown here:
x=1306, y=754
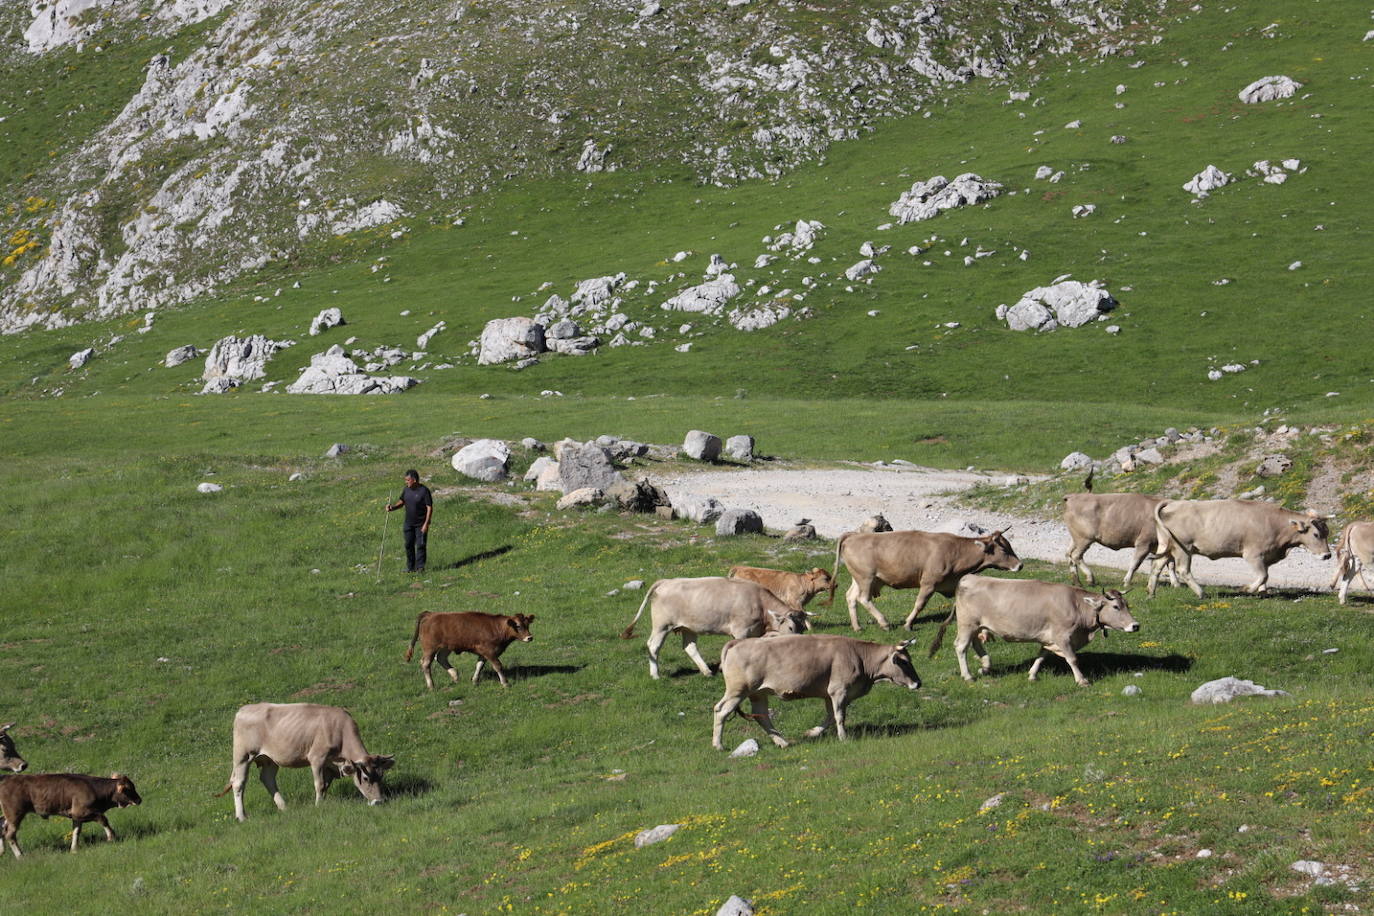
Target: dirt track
x=837, y=500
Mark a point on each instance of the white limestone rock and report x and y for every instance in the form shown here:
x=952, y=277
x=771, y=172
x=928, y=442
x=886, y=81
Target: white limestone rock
x=506, y=339
x=1075, y=461
x=179, y=355
x=701, y=509
x=802, y=237
x=1068, y=303
x=326, y=319
x=241, y=358
x=739, y=521
x=864, y=268
x=709, y=297
x=486, y=459
x=583, y=496
x=928, y=199
x=81, y=357
x=208, y=487
x=655, y=835
x=1269, y=88
x=1226, y=689
x=701, y=446
x=333, y=372
x=1206, y=181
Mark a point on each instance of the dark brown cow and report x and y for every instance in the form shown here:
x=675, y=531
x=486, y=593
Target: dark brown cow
x=794, y=589
x=9, y=754
x=931, y=561
x=484, y=635
x=74, y=795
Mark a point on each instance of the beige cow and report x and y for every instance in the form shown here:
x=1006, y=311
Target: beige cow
x=712, y=604
x=324, y=738
x=838, y=669
x=1116, y=521
x=1354, y=552
x=931, y=561
x=1061, y=618
x=1261, y=532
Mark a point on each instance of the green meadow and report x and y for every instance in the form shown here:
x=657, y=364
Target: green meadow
x=137, y=614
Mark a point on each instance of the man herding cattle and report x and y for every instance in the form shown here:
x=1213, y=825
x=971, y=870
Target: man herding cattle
x=931, y=561
x=1061, y=618
x=838, y=669
x=419, y=505
x=324, y=738
x=1262, y=533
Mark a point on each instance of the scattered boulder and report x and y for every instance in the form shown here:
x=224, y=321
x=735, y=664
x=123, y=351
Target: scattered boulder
x=1274, y=466
x=540, y=464
x=1149, y=456
x=701, y=446
x=993, y=802
x=550, y=479
x=532, y=444
x=801, y=238
x=1206, y=181
x=864, y=268
x=701, y=509
x=709, y=297
x=242, y=358
x=1226, y=689
x=801, y=531
x=180, y=355
x=928, y=199
x=748, y=748
x=220, y=386
x=326, y=319
x=640, y=496
x=81, y=357
x=332, y=372
x=1269, y=88
x=337, y=449
x=1067, y=303
x=655, y=835
x=208, y=488
x=485, y=459
x=506, y=339
x=874, y=523
x=1076, y=461
x=740, y=448
x=736, y=905
x=422, y=342
x=582, y=496
x=1130, y=690
x=739, y=521
x=588, y=465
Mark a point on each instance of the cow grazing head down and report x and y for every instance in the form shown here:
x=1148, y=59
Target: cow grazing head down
x=1112, y=612
x=9, y=755
x=124, y=794
x=897, y=668
x=1312, y=535
x=998, y=553
x=819, y=580
x=520, y=626
x=367, y=775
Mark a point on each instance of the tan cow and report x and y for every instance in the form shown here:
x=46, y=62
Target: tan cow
x=795, y=589
x=874, y=524
x=1061, y=618
x=9, y=754
x=324, y=738
x=1116, y=521
x=712, y=604
x=931, y=561
x=838, y=669
x=1354, y=552
x=1262, y=533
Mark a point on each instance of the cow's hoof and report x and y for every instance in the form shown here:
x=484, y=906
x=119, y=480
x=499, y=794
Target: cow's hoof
x=815, y=732
x=780, y=742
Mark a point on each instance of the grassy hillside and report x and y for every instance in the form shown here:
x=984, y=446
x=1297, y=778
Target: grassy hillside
x=136, y=615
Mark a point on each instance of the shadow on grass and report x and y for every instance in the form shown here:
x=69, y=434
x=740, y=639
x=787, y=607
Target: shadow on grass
x=520, y=672
x=407, y=786
x=478, y=557
x=1096, y=665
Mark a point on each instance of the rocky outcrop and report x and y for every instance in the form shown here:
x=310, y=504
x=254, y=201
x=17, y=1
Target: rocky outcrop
x=333, y=372
x=928, y=199
x=486, y=459
x=1068, y=304
x=507, y=339
x=1269, y=88
x=241, y=358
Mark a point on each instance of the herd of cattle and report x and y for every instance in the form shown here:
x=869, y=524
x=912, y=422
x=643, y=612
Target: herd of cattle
x=770, y=652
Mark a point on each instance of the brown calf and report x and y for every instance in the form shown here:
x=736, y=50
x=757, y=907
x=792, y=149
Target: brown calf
x=794, y=589
x=81, y=798
x=9, y=754
x=484, y=635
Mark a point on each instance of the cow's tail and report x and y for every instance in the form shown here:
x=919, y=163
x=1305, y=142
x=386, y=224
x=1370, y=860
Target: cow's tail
x=1160, y=526
x=221, y=792
x=1345, y=558
x=629, y=631
x=835, y=570
x=418, y=620
x=1088, y=481
x=940, y=634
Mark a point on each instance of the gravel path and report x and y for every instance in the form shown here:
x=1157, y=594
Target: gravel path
x=838, y=500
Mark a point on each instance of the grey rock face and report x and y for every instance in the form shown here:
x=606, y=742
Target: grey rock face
x=641, y=496
x=337, y=449
x=583, y=496
x=540, y=464
x=1269, y=88
x=928, y=199
x=1068, y=303
x=736, y=905
x=1274, y=466
x=506, y=339
x=220, y=386
x=180, y=355
x=748, y=748
x=655, y=835
x=739, y=521
x=709, y=297
x=242, y=358
x=588, y=465
x=701, y=446
x=1206, y=181
x=802, y=532
x=485, y=459
x=332, y=372
x=1226, y=689
x=1075, y=461
x=81, y=357
x=740, y=448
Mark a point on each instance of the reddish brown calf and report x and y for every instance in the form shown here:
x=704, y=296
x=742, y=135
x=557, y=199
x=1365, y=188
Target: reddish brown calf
x=484, y=635
x=79, y=797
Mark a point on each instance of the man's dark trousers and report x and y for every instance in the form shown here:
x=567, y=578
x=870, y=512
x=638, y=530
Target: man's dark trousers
x=415, y=549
